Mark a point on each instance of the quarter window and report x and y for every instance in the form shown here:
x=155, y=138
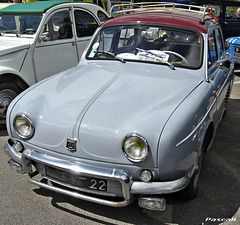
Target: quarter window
x=212, y=53
x=85, y=23
x=102, y=17
x=219, y=43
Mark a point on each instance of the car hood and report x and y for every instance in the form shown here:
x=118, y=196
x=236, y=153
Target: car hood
x=99, y=104
x=13, y=44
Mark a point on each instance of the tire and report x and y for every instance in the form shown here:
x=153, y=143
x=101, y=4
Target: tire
x=8, y=92
x=190, y=192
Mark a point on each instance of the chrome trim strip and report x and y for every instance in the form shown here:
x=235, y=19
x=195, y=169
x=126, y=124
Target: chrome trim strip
x=9, y=150
x=83, y=170
x=129, y=187
x=29, y=120
x=210, y=108
x=140, y=137
x=199, y=124
x=81, y=196
x=166, y=187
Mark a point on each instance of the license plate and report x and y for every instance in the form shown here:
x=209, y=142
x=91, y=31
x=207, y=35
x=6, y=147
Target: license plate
x=78, y=181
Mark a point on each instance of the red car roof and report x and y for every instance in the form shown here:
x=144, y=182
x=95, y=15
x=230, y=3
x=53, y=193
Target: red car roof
x=180, y=19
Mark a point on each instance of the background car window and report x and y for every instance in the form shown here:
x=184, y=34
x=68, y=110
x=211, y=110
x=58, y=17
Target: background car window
x=233, y=12
x=8, y=22
x=21, y=24
x=102, y=17
x=59, y=26
x=85, y=23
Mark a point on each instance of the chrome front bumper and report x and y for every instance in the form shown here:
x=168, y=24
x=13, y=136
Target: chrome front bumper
x=129, y=187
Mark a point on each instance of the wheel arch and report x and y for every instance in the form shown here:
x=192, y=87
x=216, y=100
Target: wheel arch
x=208, y=136
x=14, y=79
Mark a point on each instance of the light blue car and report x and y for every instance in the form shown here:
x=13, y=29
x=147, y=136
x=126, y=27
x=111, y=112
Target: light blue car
x=233, y=47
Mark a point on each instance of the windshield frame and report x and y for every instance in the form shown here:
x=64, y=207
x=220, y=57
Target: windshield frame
x=119, y=28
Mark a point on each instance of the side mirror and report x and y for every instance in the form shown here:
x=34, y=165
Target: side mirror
x=45, y=36
x=224, y=63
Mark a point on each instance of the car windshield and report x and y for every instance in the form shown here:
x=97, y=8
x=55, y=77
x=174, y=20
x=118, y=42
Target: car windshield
x=145, y=43
x=19, y=23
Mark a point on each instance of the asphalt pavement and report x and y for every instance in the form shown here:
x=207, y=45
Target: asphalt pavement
x=218, y=200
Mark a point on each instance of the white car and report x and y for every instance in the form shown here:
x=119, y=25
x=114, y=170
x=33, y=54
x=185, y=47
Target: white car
x=39, y=39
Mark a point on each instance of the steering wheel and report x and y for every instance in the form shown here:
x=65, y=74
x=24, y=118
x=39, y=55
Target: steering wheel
x=178, y=55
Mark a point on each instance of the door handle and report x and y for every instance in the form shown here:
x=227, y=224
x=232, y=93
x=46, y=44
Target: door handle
x=214, y=94
x=73, y=43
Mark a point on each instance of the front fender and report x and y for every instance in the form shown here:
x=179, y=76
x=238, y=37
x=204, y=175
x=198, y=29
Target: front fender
x=8, y=70
x=183, y=135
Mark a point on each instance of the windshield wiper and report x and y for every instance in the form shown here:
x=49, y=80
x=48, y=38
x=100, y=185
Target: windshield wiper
x=171, y=66
x=10, y=32
x=111, y=54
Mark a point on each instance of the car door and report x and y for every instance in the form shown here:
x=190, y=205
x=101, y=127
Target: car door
x=219, y=70
x=55, y=49
x=85, y=24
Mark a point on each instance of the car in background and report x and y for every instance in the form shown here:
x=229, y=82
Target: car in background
x=233, y=47
x=39, y=39
x=228, y=14
x=135, y=117
x=4, y=4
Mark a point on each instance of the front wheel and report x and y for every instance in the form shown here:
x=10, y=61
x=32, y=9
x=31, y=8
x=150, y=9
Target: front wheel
x=8, y=92
x=190, y=192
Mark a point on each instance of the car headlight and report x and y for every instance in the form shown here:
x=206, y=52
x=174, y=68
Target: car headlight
x=23, y=126
x=135, y=148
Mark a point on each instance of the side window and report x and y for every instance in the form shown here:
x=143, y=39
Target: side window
x=233, y=12
x=219, y=41
x=212, y=53
x=102, y=17
x=85, y=23
x=59, y=26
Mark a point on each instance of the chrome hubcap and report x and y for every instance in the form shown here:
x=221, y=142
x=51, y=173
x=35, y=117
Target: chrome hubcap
x=6, y=96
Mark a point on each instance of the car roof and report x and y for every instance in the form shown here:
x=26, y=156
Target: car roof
x=176, y=19
x=33, y=7
x=3, y=4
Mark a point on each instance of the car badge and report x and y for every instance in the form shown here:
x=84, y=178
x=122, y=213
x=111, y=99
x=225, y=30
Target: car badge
x=71, y=145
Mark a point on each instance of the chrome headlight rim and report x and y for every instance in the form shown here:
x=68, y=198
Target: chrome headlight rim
x=141, y=138
x=24, y=116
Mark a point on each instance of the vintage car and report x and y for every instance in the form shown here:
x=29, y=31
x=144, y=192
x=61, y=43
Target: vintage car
x=228, y=14
x=134, y=118
x=4, y=4
x=39, y=39
x=233, y=47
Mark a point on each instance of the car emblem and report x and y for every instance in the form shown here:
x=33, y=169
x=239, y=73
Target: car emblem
x=71, y=145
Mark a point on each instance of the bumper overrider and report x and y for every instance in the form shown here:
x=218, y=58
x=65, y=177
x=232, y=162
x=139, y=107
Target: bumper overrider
x=118, y=191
